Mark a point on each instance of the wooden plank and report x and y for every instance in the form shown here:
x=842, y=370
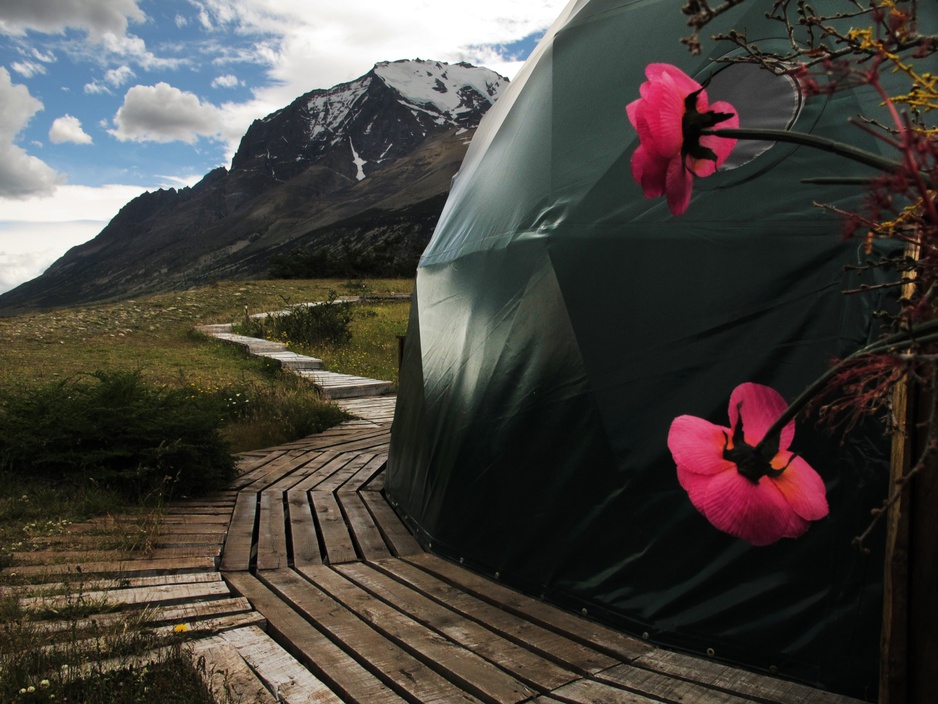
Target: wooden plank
x=284, y=675
x=201, y=627
x=335, y=534
x=664, y=687
x=354, y=462
x=260, y=474
x=589, y=633
x=236, y=554
x=746, y=684
x=396, y=667
x=362, y=527
x=314, y=460
x=395, y=533
x=323, y=657
x=287, y=468
x=331, y=462
x=549, y=644
x=466, y=668
x=590, y=692
x=303, y=534
x=139, y=595
x=529, y=667
x=166, y=614
x=367, y=473
x=227, y=674
x=125, y=567
x=271, y=532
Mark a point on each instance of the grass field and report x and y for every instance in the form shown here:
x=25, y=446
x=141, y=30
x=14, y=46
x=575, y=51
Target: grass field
x=154, y=334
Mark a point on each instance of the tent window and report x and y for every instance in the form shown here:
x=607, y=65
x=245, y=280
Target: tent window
x=761, y=98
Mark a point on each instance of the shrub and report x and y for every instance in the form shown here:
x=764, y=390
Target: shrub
x=113, y=429
x=328, y=321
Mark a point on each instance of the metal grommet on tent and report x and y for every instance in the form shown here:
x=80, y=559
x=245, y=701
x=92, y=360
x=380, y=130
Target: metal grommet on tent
x=645, y=635
x=773, y=669
x=498, y=575
x=711, y=652
x=584, y=611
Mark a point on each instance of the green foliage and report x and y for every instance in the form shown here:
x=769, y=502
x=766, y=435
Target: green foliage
x=276, y=414
x=114, y=430
x=329, y=321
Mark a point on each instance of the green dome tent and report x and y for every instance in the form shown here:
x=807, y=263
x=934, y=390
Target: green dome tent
x=561, y=321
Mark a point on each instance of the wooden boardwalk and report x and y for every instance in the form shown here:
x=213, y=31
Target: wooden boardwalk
x=300, y=584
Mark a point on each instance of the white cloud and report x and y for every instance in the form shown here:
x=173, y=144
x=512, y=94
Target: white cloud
x=35, y=233
x=96, y=17
x=68, y=129
x=28, y=69
x=162, y=113
x=95, y=88
x=119, y=76
x=226, y=81
x=181, y=21
x=47, y=242
x=21, y=175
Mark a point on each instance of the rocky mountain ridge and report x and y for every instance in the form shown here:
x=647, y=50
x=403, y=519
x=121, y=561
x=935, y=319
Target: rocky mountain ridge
x=361, y=165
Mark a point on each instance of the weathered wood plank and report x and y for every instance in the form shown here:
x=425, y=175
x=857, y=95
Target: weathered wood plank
x=579, y=629
x=335, y=534
x=139, y=567
x=303, y=530
x=353, y=462
x=312, y=461
x=285, y=676
x=746, y=684
x=366, y=535
x=368, y=474
x=227, y=674
x=397, y=668
x=395, y=533
x=590, y=692
x=236, y=554
x=139, y=595
x=331, y=463
x=271, y=532
x=671, y=689
x=324, y=658
x=549, y=644
x=527, y=666
x=202, y=627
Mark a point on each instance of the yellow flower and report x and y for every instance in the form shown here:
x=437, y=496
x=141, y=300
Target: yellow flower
x=181, y=628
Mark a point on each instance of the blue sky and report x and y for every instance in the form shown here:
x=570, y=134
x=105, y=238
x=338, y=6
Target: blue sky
x=101, y=100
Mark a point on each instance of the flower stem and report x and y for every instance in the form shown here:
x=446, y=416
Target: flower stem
x=927, y=332
x=809, y=140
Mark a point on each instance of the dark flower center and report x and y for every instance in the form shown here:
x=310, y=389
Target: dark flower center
x=752, y=462
x=693, y=123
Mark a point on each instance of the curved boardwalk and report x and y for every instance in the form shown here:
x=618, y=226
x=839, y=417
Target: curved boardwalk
x=300, y=584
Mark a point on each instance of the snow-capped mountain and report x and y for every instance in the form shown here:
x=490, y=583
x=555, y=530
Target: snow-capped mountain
x=362, y=164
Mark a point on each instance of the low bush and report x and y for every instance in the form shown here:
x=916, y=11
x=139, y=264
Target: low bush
x=328, y=321
x=114, y=430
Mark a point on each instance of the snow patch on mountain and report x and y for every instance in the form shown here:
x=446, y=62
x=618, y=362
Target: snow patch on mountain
x=437, y=87
x=358, y=161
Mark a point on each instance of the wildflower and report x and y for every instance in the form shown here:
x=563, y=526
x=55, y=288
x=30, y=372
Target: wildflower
x=669, y=117
x=44, y=684
x=743, y=482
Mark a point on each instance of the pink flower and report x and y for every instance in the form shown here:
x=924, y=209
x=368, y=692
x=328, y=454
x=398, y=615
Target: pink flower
x=669, y=116
x=744, y=483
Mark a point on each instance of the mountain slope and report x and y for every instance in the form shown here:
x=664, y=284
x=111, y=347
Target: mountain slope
x=386, y=144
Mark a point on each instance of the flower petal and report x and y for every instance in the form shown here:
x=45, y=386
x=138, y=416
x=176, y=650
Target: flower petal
x=761, y=406
x=757, y=513
x=663, y=116
x=801, y=486
x=697, y=446
x=650, y=172
x=684, y=83
x=678, y=186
